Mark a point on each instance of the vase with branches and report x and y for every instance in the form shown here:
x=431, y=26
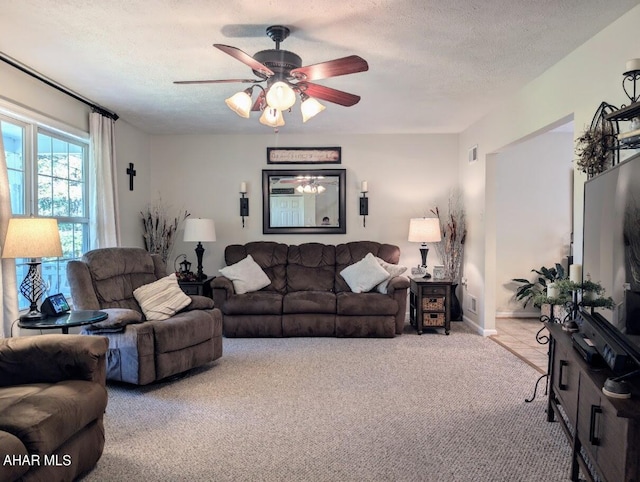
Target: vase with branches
x=159, y=228
x=453, y=231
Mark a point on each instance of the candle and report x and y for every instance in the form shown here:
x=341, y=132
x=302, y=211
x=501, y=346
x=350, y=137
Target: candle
x=633, y=64
x=364, y=187
x=552, y=291
x=575, y=273
x=243, y=187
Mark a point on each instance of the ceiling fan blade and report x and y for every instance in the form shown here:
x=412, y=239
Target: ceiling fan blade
x=245, y=58
x=331, y=68
x=327, y=93
x=224, y=81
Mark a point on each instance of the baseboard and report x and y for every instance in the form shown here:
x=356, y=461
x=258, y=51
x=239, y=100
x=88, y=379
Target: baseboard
x=517, y=314
x=477, y=328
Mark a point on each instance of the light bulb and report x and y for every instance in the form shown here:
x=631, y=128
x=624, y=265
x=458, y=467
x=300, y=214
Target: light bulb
x=240, y=103
x=310, y=107
x=272, y=118
x=280, y=96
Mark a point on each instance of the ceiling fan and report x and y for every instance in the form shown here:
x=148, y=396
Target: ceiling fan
x=285, y=77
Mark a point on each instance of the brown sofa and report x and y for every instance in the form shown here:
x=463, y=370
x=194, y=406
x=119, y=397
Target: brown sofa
x=142, y=352
x=52, y=403
x=307, y=296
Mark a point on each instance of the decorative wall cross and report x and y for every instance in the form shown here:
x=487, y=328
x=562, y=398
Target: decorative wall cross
x=131, y=172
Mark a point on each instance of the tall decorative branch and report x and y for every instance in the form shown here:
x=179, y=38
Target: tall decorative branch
x=160, y=229
x=454, y=232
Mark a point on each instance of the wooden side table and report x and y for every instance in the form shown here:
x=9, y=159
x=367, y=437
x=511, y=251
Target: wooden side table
x=430, y=304
x=202, y=288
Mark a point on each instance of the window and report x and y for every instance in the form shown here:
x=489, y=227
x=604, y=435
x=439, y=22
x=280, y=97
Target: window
x=48, y=177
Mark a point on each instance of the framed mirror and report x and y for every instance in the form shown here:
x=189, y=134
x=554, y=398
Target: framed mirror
x=304, y=201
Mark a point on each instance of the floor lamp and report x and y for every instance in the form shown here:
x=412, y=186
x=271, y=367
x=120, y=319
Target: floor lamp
x=200, y=230
x=424, y=230
x=32, y=238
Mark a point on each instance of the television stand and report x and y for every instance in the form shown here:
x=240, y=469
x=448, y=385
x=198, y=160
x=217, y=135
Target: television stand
x=603, y=432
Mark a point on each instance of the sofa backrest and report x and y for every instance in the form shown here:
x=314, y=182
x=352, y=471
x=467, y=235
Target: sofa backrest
x=349, y=253
x=311, y=266
x=308, y=266
x=270, y=256
x=114, y=273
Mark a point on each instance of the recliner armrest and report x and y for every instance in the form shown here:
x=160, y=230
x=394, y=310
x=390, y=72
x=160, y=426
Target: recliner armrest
x=52, y=358
x=397, y=283
x=222, y=288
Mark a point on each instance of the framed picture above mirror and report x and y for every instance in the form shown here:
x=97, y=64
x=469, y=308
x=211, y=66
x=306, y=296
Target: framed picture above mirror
x=304, y=201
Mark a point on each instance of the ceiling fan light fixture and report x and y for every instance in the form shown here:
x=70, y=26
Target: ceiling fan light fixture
x=310, y=107
x=272, y=117
x=241, y=103
x=280, y=96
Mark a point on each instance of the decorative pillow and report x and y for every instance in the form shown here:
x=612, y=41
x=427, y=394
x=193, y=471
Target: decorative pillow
x=161, y=299
x=246, y=276
x=393, y=270
x=364, y=275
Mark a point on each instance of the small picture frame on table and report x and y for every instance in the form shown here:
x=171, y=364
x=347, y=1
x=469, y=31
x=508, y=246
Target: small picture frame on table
x=438, y=272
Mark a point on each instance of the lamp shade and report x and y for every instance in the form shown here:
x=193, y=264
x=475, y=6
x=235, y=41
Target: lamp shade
x=424, y=230
x=280, y=96
x=240, y=103
x=32, y=238
x=201, y=230
x=272, y=118
x=310, y=107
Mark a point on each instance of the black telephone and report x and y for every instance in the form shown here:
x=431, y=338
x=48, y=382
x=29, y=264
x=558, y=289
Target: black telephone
x=55, y=305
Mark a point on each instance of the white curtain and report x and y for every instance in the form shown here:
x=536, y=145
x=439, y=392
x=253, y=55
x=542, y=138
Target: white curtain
x=8, y=283
x=103, y=200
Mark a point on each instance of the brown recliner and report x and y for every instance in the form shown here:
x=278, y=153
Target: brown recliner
x=52, y=403
x=142, y=352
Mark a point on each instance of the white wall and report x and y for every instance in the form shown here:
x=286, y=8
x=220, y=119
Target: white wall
x=532, y=212
x=407, y=176
x=574, y=87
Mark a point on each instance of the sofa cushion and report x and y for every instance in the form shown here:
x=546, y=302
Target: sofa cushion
x=270, y=256
x=256, y=303
x=393, y=270
x=354, y=251
x=309, y=302
x=43, y=416
x=117, y=272
x=364, y=275
x=311, y=266
x=182, y=330
x=246, y=276
x=11, y=445
x=365, y=304
x=161, y=299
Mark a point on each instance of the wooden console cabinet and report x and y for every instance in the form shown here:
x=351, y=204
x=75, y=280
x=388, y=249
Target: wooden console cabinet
x=604, y=433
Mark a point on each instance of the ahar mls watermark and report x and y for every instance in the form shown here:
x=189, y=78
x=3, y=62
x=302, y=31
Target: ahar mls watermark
x=36, y=460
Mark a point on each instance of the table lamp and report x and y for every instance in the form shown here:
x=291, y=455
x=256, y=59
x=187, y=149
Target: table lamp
x=200, y=230
x=32, y=238
x=424, y=230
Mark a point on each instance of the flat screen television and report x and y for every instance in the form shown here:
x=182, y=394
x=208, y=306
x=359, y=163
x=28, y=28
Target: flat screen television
x=611, y=256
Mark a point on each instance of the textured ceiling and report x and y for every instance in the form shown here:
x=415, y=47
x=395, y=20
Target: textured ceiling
x=434, y=66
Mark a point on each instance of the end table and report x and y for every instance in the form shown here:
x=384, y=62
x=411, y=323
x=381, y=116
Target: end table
x=202, y=288
x=430, y=304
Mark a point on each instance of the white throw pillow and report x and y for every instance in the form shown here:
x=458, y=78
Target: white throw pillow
x=246, y=276
x=161, y=299
x=393, y=270
x=364, y=275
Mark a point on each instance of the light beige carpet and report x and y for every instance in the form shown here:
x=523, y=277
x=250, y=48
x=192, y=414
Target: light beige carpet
x=412, y=408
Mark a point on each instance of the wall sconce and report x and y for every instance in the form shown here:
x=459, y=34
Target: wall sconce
x=244, y=202
x=364, y=203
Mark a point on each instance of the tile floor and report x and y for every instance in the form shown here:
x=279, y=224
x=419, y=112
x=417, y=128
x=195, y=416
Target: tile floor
x=518, y=335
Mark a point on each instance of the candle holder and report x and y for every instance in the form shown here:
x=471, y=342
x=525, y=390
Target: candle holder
x=364, y=203
x=630, y=80
x=244, y=202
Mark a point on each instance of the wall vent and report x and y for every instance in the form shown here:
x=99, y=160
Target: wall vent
x=473, y=154
x=473, y=304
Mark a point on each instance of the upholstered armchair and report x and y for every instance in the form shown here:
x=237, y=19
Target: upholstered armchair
x=52, y=403
x=142, y=350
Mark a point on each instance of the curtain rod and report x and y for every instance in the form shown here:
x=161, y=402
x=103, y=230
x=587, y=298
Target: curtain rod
x=37, y=75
